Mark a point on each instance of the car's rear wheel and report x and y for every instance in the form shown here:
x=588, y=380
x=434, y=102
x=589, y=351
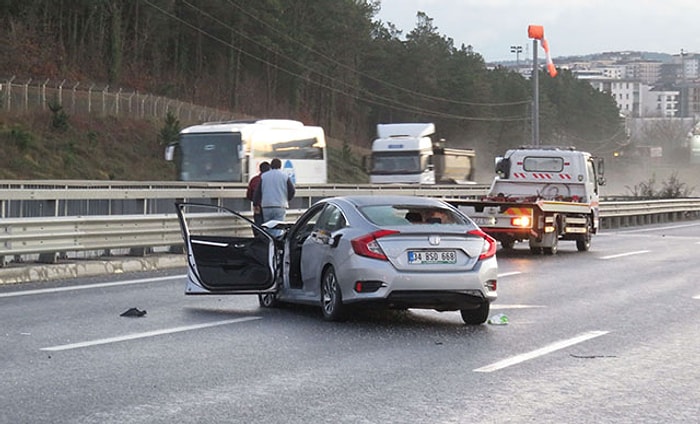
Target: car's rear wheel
x=476, y=316
x=268, y=300
x=331, y=297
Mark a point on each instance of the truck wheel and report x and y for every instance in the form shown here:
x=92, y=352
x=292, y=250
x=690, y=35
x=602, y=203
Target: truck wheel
x=507, y=244
x=552, y=250
x=535, y=250
x=583, y=244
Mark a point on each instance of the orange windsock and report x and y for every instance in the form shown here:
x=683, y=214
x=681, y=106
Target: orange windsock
x=537, y=32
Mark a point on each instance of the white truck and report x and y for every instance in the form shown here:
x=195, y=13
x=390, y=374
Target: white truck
x=408, y=154
x=541, y=194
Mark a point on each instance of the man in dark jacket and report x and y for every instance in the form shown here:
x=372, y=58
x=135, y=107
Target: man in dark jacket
x=250, y=192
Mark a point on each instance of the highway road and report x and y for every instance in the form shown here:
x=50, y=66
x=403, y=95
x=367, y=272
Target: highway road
x=606, y=336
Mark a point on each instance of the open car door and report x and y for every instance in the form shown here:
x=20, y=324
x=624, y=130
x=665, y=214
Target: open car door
x=226, y=252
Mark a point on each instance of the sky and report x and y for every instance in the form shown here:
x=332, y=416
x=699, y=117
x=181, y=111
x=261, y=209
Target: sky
x=571, y=27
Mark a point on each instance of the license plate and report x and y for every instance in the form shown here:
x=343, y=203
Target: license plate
x=428, y=257
x=484, y=220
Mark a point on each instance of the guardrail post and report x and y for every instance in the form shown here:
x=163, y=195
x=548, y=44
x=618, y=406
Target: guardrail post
x=48, y=258
x=178, y=249
x=140, y=251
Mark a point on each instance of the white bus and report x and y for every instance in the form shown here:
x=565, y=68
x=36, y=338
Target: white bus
x=231, y=151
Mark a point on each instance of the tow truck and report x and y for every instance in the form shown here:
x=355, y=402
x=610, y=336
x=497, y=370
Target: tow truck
x=541, y=194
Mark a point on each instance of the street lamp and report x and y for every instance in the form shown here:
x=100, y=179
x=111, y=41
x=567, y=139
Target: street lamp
x=517, y=50
x=684, y=87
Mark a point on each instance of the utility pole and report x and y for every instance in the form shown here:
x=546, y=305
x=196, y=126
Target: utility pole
x=536, y=96
x=536, y=32
x=684, y=87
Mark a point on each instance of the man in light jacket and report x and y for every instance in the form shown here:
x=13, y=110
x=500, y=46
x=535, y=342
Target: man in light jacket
x=274, y=192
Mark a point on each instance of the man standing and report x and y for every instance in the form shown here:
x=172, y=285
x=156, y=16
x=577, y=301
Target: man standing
x=274, y=192
x=250, y=192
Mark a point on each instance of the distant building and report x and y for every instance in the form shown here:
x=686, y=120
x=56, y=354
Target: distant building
x=647, y=72
x=660, y=103
x=644, y=85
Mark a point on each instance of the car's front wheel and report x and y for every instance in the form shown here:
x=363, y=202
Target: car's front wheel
x=331, y=297
x=476, y=316
x=268, y=300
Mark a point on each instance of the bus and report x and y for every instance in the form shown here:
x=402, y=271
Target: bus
x=231, y=151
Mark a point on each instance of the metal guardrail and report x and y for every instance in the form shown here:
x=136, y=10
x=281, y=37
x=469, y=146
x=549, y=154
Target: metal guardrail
x=630, y=213
x=54, y=232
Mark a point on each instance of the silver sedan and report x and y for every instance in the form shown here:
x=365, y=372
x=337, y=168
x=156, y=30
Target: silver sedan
x=385, y=251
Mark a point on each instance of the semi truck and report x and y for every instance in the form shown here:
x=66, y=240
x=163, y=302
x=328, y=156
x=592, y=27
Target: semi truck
x=408, y=153
x=541, y=194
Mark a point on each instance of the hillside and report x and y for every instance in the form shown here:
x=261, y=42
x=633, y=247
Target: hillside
x=41, y=146
x=334, y=65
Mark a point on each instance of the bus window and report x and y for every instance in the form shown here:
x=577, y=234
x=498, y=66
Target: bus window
x=210, y=157
x=297, y=149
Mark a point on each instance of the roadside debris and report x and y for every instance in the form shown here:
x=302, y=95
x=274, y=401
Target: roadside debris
x=498, y=319
x=133, y=312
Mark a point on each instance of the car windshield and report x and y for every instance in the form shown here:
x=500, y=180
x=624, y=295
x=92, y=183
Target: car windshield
x=391, y=215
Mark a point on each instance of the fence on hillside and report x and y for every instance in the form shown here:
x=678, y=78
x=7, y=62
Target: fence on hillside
x=79, y=98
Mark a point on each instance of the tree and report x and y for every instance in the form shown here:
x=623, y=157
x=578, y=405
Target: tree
x=171, y=129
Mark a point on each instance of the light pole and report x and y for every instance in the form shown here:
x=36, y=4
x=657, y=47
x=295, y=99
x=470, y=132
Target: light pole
x=517, y=50
x=684, y=87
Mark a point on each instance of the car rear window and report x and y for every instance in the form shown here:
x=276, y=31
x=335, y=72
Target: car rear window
x=392, y=215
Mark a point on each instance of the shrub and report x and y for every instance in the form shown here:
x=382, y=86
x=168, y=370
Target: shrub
x=23, y=139
x=672, y=188
x=59, y=118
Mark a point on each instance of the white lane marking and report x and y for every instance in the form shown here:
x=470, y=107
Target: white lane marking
x=508, y=274
x=541, y=352
x=515, y=306
x=146, y=334
x=620, y=255
x=91, y=286
x=696, y=297
x=670, y=227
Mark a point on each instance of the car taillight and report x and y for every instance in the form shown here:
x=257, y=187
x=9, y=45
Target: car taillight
x=367, y=245
x=489, y=247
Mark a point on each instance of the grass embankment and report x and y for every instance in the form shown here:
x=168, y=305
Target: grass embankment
x=45, y=145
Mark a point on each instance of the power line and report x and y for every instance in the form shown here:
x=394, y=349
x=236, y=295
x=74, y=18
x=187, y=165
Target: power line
x=387, y=102
x=385, y=83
